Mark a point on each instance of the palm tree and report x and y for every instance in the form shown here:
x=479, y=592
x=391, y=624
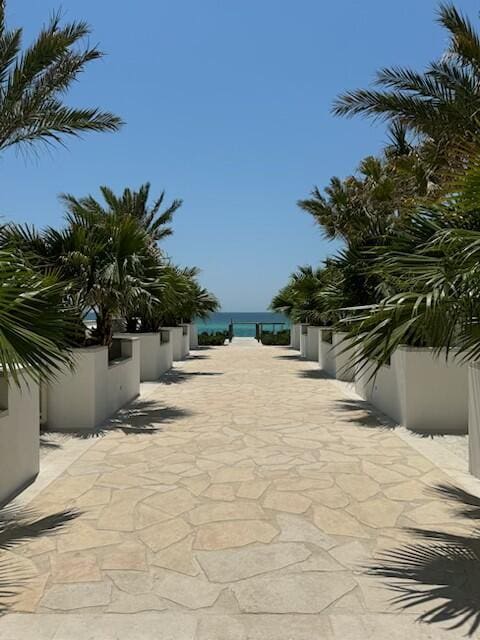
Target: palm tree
x=36, y=326
x=440, y=106
x=34, y=81
x=433, y=263
x=135, y=203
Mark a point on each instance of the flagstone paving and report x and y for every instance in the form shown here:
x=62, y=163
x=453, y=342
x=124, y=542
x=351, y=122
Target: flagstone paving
x=246, y=504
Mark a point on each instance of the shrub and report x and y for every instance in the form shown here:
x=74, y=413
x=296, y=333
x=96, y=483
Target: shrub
x=212, y=339
x=280, y=338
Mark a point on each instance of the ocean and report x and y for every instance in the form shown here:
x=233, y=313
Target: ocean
x=220, y=321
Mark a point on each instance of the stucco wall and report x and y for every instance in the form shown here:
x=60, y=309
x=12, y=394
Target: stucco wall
x=151, y=365
x=295, y=336
x=303, y=340
x=313, y=338
x=185, y=340
x=474, y=418
x=423, y=392
x=83, y=398
x=19, y=437
x=176, y=337
x=193, y=336
x=326, y=354
x=344, y=357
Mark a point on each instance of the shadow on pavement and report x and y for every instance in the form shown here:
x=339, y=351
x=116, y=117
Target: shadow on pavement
x=18, y=525
x=441, y=572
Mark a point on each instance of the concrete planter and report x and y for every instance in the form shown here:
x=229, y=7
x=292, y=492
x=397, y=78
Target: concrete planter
x=295, y=336
x=155, y=353
x=312, y=346
x=176, y=337
x=303, y=340
x=19, y=436
x=193, y=336
x=474, y=418
x=185, y=340
x=326, y=354
x=343, y=357
x=82, y=399
x=420, y=391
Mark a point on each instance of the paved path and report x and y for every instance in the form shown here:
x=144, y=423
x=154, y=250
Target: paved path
x=243, y=497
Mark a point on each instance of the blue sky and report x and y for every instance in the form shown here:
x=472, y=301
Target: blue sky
x=227, y=106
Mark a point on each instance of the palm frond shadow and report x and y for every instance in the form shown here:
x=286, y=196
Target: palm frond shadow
x=176, y=376
x=19, y=524
x=440, y=573
x=313, y=374
x=361, y=412
x=140, y=417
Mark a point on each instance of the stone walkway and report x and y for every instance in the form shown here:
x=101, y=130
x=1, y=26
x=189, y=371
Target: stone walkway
x=243, y=497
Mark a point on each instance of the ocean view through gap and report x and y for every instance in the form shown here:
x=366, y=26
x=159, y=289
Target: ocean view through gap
x=219, y=322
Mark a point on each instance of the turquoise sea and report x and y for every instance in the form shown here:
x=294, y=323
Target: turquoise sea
x=220, y=321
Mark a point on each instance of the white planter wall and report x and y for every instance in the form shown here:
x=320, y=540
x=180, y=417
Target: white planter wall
x=303, y=340
x=155, y=357
x=166, y=351
x=19, y=436
x=193, y=336
x=295, y=336
x=82, y=399
x=423, y=392
x=326, y=354
x=176, y=337
x=313, y=338
x=474, y=418
x=185, y=340
x=343, y=358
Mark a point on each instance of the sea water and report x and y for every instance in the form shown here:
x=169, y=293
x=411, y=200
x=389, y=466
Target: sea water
x=220, y=321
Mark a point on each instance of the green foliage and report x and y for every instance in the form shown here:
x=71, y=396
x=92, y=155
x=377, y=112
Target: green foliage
x=34, y=81
x=281, y=337
x=36, y=326
x=440, y=105
x=212, y=339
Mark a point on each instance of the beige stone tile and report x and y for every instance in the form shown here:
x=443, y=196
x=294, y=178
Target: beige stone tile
x=173, y=502
x=377, y=512
x=220, y=492
x=237, y=564
x=163, y=534
x=218, y=511
x=127, y=556
x=178, y=557
x=225, y=535
x=359, y=486
x=189, y=592
x=252, y=489
x=74, y=567
x=299, y=593
x=337, y=522
x=289, y=502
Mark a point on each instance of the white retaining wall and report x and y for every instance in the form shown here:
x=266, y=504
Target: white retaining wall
x=474, y=418
x=83, y=398
x=312, y=345
x=19, y=436
x=155, y=356
x=193, y=336
x=295, y=336
x=303, y=340
x=423, y=392
x=326, y=354
x=344, y=357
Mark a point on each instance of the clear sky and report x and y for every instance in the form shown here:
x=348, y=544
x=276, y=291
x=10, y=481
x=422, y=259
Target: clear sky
x=227, y=106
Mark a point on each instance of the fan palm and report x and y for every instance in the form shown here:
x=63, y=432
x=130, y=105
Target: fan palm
x=441, y=105
x=131, y=203
x=36, y=326
x=33, y=82
x=434, y=263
